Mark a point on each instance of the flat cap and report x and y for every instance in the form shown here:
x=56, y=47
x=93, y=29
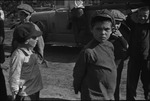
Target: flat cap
x=104, y=13
x=118, y=15
x=26, y=31
x=26, y=8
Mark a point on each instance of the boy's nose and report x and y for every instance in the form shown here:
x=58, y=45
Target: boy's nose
x=103, y=32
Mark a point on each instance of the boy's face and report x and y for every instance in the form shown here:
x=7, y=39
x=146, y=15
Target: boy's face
x=32, y=42
x=102, y=30
x=143, y=16
x=22, y=16
x=118, y=24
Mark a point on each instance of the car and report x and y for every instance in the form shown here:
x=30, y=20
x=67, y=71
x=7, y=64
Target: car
x=61, y=27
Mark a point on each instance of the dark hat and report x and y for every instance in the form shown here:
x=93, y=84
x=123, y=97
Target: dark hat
x=104, y=13
x=118, y=15
x=25, y=31
x=25, y=8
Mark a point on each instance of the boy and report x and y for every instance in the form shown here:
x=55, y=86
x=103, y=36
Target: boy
x=24, y=76
x=119, y=38
x=95, y=70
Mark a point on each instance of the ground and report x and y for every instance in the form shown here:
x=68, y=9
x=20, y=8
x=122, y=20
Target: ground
x=57, y=78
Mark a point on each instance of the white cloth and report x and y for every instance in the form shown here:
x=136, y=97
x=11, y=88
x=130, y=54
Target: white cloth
x=2, y=16
x=24, y=74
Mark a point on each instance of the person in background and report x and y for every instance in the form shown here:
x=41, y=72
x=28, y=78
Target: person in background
x=78, y=22
x=24, y=76
x=119, y=38
x=95, y=72
x=138, y=65
x=24, y=13
x=3, y=90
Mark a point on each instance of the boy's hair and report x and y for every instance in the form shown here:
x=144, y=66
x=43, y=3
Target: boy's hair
x=99, y=19
x=145, y=8
x=101, y=16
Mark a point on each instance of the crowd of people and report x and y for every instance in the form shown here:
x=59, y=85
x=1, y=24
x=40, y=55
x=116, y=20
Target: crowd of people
x=116, y=37
x=97, y=72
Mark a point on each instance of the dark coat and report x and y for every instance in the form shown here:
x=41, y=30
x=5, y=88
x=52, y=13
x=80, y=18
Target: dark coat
x=3, y=91
x=95, y=72
x=2, y=36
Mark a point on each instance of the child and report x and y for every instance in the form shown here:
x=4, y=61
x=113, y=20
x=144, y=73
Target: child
x=95, y=70
x=119, y=38
x=24, y=77
x=24, y=14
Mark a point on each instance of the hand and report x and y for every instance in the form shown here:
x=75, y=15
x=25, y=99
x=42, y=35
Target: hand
x=117, y=33
x=4, y=68
x=45, y=63
x=148, y=96
x=13, y=96
x=76, y=88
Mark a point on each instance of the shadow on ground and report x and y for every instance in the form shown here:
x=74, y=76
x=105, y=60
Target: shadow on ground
x=44, y=99
x=52, y=99
x=61, y=54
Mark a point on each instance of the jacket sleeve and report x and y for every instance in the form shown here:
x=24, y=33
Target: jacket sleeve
x=39, y=48
x=123, y=42
x=2, y=54
x=2, y=32
x=41, y=45
x=15, y=71
x=121, y=39
x=79, y=71
x=2, y=36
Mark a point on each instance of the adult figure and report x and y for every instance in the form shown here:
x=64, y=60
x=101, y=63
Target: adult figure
x=78, y=22
x=138, y=52
x=3, y=90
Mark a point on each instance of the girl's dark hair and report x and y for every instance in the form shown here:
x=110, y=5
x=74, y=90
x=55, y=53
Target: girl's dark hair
x=99, y=19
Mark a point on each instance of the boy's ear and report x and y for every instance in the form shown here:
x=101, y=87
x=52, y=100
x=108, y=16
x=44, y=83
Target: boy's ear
x=91, y=30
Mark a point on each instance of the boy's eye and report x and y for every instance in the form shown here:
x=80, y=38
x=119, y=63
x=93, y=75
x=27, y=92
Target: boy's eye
x=21, y=13
x=107, y=29
x=103, y=29
x=99, y=29
x=118, y=22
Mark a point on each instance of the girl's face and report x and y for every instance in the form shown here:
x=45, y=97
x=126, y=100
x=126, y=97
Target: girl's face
x=102, y=30
x=32, y=42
